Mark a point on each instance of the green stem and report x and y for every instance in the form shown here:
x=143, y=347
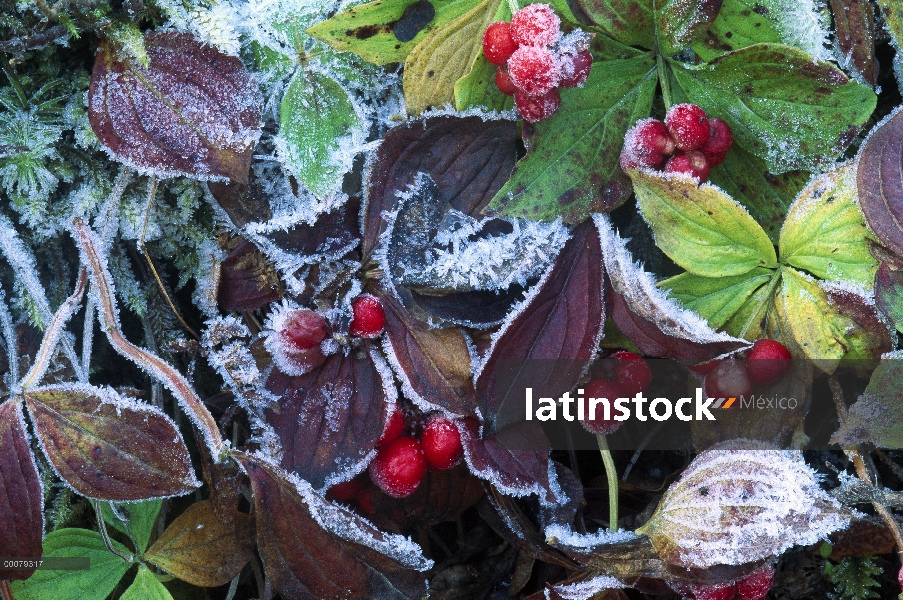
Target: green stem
x=664, y=80
x=612, y=475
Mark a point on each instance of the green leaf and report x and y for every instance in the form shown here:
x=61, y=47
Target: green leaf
x=781, y=104
x=146, y=587
x=875, y=416
x=317, y=120
x=564, y=11
x=717, y=299
x=889, y=293
x=477, y=88
x=767, y=197
x=700, y=227
x=141, y=517
x=825, y=231
x=572, y=167
x=751, y=319
x=679, y=23
x=366, y=30
x=630, y=22
x=739, y=24
x=893, y=20
x=95, y=583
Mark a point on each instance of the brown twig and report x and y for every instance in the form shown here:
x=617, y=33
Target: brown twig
x=26, y=42
x=5, y=592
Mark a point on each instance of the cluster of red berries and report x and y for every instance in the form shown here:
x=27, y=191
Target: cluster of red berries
x=402, y=460
x=534, y=60
x=632, y=375
x=766, y=363
x=753, y=587
x=692, y=141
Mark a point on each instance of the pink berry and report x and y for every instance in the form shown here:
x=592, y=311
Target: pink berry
x=537, y=109
x=497, y=43
x=575, y=69
x=767, y=361
x=535, y=25
x=720, y=140
x=398, y=467
x=756, y=585
x=692, y=163
x=347, y=490
x=714, y=592
x=441, y=443
x=394, y=427
x=368, y=317
x=601, y=388
x=728, y=380
x=294, y=340
x=646, y=144
x=632, y=372
x=503, y=82
x=534, y=70
x=689, y=126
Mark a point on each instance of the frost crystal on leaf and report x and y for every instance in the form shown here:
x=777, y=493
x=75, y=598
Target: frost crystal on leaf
x=585, y=590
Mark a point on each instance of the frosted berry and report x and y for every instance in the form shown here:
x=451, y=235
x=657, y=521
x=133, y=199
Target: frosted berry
x=441, y=443
x=714, y=592
x=535, y=25
x=720, y=141
x=632, y=372
x=497, y=43
x=688, y=125
x=294, y=338
x=394, y=427
x=756, y=586
x=601, y=388
x=692, y=163
x=646, y=144
x=304, y=329
x=728, y=380
x=503, y=82
x=346, y=491
x=575, y=69
x=398, y=467
x=767, y=361
x=534, y=70
x=537, y=109
x=368, y=317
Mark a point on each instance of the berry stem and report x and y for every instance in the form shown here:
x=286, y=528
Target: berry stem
x=512, y=6
x=664, y=80
x=612, y=474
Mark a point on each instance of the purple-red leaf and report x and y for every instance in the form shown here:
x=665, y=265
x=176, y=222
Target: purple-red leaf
x=21, y=499
x=247, y=280
x=191, y=111
x=109, y=448
x=854, y=26
x=329, y=420
x=313, y=550
x=879, y=179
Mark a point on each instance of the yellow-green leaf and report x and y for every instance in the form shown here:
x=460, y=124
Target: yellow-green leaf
x=717, y=299
x=146, y=587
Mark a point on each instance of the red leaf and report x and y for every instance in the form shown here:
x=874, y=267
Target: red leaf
x=247, y=280
x=192, y=111
x=329, y=420
x=879, y=179
x=109, y=448
x=22, y=500
x=313, y=550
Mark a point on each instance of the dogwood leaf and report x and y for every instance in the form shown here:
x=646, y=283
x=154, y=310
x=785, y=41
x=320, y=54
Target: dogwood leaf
x=718, y=299
x=679, y=23
x=140, y=517
x=627, y=21
x=880, y=181
x=889, y=293
x=146, y=586
x=875, y=416
x=854, y=31
x=478, y=88
x=893, y=19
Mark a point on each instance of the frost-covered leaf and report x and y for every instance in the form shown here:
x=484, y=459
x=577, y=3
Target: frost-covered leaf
x=199, y=548
x=441, y=496
x=247, y=280
x=468, y=158
x=328, y=420
x=889, y=293
x=478, y=88
x=825, y=232
x=656, y=324
x=679, y=23
x=893, y=19
x=781, y=105
x=97, y=582
x=242, y=203
x=741, y=503
x=630, y=22
x=109, y=448
x=433, y=364
x=879, y=180
x=446, y=55
x=854, y=31
x=319, y=131
x=867, y=335
x=192, y=111
x=21, y=499
x=140, y=518
x=875, y=417
x=146, y=586
x=571, y=168
x=700, y=227
x=312, y=549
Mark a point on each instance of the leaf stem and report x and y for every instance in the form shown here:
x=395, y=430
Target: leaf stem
x=102, y=527
x=612, y=474
x=5, y=592
x=664, y=80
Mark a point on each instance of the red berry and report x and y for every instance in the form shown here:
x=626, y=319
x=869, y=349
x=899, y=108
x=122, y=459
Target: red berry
x=692, y=163
x=756, y=586
x=365, y=501
x=368, y=317
x=720, y=140
x=633, y=373
x=497, y=43
x=295, y=340
x=394, y=427
x=534, y=70
x=503, y=82
x=398, y=467
x=304, y=329
x=535, y=25
x=728, y=380
x=689, y=126
x=441, y=443
x=347, y=490
x=601, y=388
x=575, y=69
x=537, y=109
x=767, y=361
x=646, y=144
x=714, y=592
